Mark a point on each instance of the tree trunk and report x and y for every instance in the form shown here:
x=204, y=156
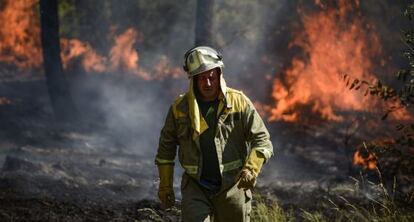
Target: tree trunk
x=58, y=88
x=204, y=23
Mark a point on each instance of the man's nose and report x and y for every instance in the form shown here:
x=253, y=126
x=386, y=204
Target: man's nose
x=208, y=82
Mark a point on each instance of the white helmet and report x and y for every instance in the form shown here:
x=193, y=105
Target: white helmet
x=201, y=59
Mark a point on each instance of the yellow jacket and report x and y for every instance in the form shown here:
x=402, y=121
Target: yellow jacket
x=239, y=130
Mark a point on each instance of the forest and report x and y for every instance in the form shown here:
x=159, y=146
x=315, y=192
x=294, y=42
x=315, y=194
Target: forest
x=85, y=87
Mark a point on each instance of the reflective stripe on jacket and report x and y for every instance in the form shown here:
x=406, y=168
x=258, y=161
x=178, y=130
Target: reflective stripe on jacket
x=239, y=130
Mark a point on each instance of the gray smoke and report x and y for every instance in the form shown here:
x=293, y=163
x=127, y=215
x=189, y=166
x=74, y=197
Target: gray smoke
x=253, y=37
x=133, y=110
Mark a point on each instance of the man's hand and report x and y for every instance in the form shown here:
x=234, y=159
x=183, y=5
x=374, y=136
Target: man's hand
x=246, y=179
x=165, y=190
x=247, y=176
x=167, y=197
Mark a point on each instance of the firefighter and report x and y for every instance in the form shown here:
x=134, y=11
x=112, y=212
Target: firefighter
x=222, y=144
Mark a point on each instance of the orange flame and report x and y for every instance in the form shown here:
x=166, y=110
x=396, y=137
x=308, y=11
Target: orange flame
x=163, y=69
x=123, y=54
x=368, y=161
x=19, y=43
x=334, y=44
x=5, y=101
x=401, y=114
x=72, y=48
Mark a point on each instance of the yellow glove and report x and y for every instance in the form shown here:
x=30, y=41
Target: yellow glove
x=165, y=190
x=247, y=176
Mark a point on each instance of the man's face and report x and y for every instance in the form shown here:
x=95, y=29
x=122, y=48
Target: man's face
x=208, y=84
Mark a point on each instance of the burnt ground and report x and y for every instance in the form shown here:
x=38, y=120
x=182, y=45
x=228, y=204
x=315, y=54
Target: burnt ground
x=81, y=172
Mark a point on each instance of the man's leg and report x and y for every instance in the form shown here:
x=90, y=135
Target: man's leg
x=233, y=205
x=195, y=206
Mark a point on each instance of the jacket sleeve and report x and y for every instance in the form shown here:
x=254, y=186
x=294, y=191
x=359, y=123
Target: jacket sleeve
x=168, y=142
x=256, y=132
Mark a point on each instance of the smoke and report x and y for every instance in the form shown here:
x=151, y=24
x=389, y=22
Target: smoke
x=135, y=111
x=254, y=38
x=129, y=101
x=131, y=111
x=131, y=94
x=244, y=32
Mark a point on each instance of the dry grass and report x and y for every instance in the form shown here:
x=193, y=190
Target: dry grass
x=382, y=206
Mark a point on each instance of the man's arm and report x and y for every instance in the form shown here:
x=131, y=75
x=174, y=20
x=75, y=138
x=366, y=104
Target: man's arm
x=167, y=147
x=165, y=160
x=261, y=146
x=256, y=132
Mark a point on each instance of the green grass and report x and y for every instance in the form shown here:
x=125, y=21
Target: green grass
x=265, y=212
x=269, y=211
x=381, y=207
